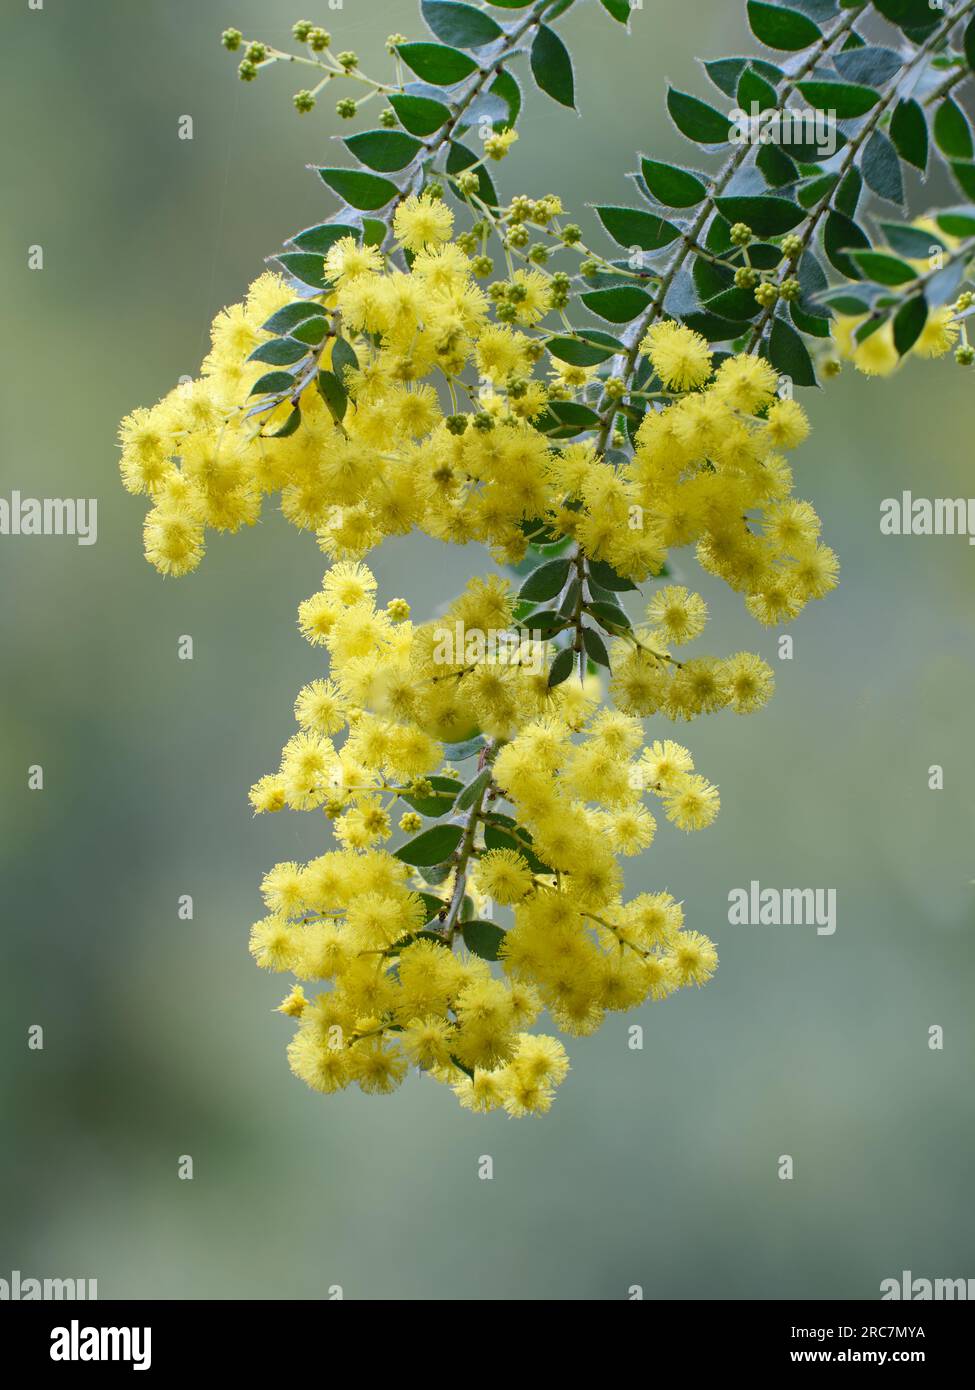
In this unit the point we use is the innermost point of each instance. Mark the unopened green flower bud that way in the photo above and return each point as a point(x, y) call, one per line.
point(589, 269)
point(483, 421)
point(792, 247)
point(481, 266)
point(746, 278)
point(302, 29)
point(572, 234)
point(247, 70)
point(965, 355)
point(231, 39)
point(393, 42)
point(256, 52)
point(347, 59)
point(346, 108)
point(518, 236)
point(388, 118)
point(615, 388)
point(538, 254)
point(304, 102)
point(319, 39)
point(741, 234)
point(468, 181)
point(456, 424)
point(434, 189)
point(767, 294)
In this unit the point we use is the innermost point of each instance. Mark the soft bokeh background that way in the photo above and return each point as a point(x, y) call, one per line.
point(656, 1167)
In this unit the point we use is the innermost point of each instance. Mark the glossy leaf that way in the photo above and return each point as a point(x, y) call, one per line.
point(766, 215)
point(437, 63)
point(952, 133)
point(696, 119)
point(419, 115)
point(367, 192)
point(788, 354)
point(846, 100)
point(483, 939)
point(777, 27)
point(552, 66)
point(460, 25)
point(617, 305)
point(318, 241)
point(545, 582)
point(909, 323)
point(631, 227)
point(305, 267)
point(432, 847)
point(909, 132)
point(671, 185)
point(882, 168)
point(385, 150)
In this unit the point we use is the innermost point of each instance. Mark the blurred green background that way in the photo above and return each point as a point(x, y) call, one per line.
point(657, 1167)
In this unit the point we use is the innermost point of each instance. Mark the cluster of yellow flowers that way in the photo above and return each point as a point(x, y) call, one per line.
point(369, 440)
point(575, 777)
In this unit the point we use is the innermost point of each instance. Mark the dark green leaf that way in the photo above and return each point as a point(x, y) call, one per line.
point(545, 582)
point(815, 325)
point(544, 621)
point(671, 185)
point(386, 150)
point(459, 158)
point(290, 425)
point(848, 194)
point(776, 167)
point(754, 93)
point(619, 9)
point(419, 115)
point(882, 168)
point(884, 269)
point(502, 832)
point(320, 240)
point(846, 100)
point(435, 63)
point(441, 800)
point(914, 243)
point(291, 315)
point(726, 72)
point(734, 303)
point(561, 668)
point(273, 384)
point(952, 133)
point(565, 419)
point(969, 44)
point(909, 323)
point(552, 66)
point(631, 227)
point(343, 359)
point(712, 326)
point(432, 847)
point(608, 614)
point(506, 87)
point(333, 393)
point(460, 752)
point(780, 28)
point(957, 221)
point(367, 192)
point(788, 354)
point(595, 646)
point(909, 132)
point(586, 351)
point(311, 332)
point(965, 176)
point(460, 25)
point(696, 119)
point(279, 352)
point(840, 234)
point(618, 305)
point(873, 66)
point(607, 578)
point(767, 215)
point(909, 14)
point(473, 790)
point(304, 267)
point(433, 905)
point(483, 939)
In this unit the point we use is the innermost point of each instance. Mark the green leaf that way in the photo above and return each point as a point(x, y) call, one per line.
point(754, 91)
point(373, 231)
point(437, 64)
point(432, 847)
point(419, 115)
point(780, 28)
point(566, 419)
point(631, 227)
point(909, 132)
point(969, 44)
point(596, 647)
point(304, 267)
point(473, 790)
point(735, 303)
point(483, 939)
point(913, 243)
point(561, 668)
point(965, 175)
point(813, 324)
point(873, 66)
point(433, 905)
point(545, 621)
point(952, 133)
point(957, 221)
point(848, 194)
point(618, 305)
point(460, 25)
point(386, 150)
point(776, 167)
point(619, 9)
point(608, 614)
point(884, 269)
point(909, 14)
point(506, 87)
point(291, 315)
point(607, 578)
point(311, 332)
point(545, 582)
point(279, 352)
point(459, 158)
point(320, 240)
point(343, 359)
point(726, 73)
point(273, 384)
point(909, 323)
point(882, 168)
point(696, 119)
point(367, 192)
point(552, 67)
point(671, 185)
point(846, 100)
point(585, 351)
point(502, 832)
point(290, 425)
point(840, 234)
point(333, 393)
point(460, 752)
point(444, 795)
point(767, 215)
point(788, 354)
